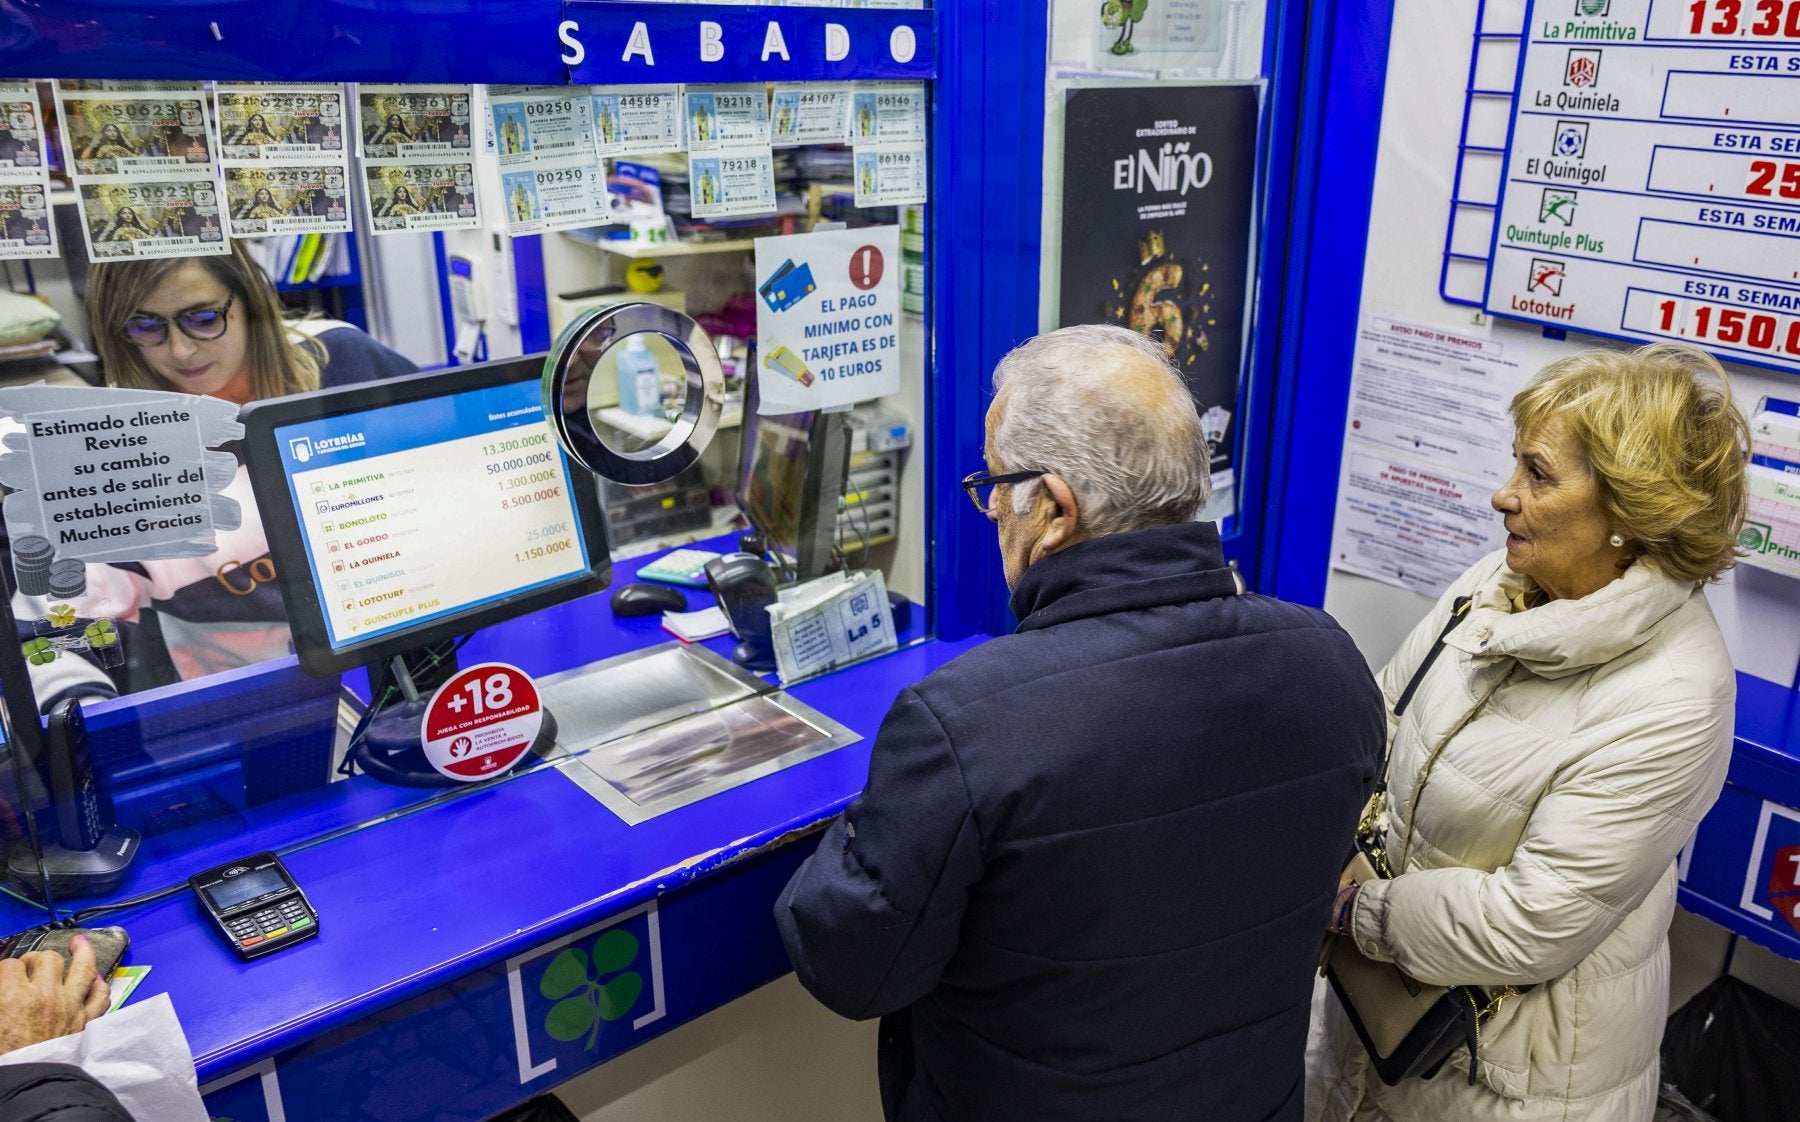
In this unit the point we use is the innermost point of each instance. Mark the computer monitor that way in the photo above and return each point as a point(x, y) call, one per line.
point(407, 511)
point(790, 478)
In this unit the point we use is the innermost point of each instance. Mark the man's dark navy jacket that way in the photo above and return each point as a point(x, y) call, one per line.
point(1095, 859)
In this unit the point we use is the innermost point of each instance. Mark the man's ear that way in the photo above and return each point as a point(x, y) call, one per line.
point(1056, 510)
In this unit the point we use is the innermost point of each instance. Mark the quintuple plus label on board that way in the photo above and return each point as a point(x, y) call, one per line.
point(1652, 183)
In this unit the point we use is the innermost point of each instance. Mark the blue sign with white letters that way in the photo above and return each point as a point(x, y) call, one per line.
point(610, 43)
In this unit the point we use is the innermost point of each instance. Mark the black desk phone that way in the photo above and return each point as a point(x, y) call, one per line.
point(257, 904)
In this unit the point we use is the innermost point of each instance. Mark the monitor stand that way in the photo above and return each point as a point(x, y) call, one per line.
point(391, 749)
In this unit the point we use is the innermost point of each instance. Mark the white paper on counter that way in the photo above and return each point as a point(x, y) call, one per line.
point(139, 1053)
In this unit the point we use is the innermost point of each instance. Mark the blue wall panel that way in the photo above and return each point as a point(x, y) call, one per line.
point(1345, 71)
point(987, 206)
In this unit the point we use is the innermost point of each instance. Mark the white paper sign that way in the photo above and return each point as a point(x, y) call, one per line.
point(118, 475)
point(826, 318)
point(1411, 525)
point(1437, 392)
point(1427, 442)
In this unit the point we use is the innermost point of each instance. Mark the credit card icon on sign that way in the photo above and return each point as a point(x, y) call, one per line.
point(790, 284)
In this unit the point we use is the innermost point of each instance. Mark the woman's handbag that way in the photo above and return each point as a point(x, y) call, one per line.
point(1408, 1028)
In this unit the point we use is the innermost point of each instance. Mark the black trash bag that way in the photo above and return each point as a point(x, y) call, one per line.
point(544, 1108)
point(1734, 1051)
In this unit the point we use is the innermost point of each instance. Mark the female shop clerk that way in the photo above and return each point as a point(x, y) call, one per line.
point(212, 325)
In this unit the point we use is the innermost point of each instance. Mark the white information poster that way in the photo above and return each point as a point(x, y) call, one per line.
point(1428, 441)
point(826, 318)
point(1652, 186)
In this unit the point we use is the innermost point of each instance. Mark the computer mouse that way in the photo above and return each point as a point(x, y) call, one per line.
point(647, 600)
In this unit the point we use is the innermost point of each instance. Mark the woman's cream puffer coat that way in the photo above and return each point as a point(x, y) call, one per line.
point(1543, 779)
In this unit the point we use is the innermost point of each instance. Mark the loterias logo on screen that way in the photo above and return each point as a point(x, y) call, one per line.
point(304, 449)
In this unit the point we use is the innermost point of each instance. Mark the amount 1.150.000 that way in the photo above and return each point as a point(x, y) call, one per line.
point(532, 553)
point(1733, 326)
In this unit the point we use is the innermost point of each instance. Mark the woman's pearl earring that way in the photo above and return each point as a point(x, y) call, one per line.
point(1616, 540)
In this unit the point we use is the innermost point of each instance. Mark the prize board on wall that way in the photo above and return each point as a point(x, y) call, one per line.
point(1652, 180)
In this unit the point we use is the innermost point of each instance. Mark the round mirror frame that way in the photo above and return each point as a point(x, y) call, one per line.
point(681, 446)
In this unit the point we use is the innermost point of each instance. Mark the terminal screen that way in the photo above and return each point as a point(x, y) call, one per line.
point(232, 892)
point(419, 510)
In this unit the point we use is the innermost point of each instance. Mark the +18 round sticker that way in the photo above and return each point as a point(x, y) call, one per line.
point(481, 722)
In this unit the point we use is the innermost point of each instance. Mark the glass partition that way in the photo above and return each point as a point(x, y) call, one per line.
point(717, 294)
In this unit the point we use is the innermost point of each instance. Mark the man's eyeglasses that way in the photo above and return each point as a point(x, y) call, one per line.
point(198, 324)
point(979, 486)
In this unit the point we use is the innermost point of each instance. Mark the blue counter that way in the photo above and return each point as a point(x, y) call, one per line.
point(478, 949)
point(1742, 870)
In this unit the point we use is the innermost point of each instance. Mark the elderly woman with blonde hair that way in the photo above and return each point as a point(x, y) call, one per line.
point(1558, 753)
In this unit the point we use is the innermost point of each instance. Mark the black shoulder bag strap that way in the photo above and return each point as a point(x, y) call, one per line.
point(1366, 829)
point(1458, 610)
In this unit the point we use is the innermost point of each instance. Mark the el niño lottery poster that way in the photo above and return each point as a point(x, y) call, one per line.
point(1159, 190)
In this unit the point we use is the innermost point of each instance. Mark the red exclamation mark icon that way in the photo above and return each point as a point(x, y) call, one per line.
point(866, 266)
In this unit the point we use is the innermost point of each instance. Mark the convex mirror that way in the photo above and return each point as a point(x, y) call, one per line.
point(634, 392)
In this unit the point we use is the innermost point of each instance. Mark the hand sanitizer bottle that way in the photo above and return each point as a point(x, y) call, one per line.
point(639, 391)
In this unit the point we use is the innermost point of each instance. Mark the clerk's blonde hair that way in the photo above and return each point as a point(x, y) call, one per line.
point(1666, 445)
point(280, 361)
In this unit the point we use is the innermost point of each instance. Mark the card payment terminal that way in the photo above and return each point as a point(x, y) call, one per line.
point(257, 904)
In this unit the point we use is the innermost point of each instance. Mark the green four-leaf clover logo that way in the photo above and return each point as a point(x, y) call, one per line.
point(589, 991)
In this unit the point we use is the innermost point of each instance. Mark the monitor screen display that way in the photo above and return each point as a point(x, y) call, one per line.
point(790, 481)
point(420, 507)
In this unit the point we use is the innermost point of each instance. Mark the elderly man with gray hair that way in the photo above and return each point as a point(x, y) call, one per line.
point(1086, 875)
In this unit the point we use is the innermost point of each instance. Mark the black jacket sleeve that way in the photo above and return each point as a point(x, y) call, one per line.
point(872, 918)
point(56, 1093)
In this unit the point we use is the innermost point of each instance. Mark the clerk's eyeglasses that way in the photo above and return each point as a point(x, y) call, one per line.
point(979, 485)
point(198, 324)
